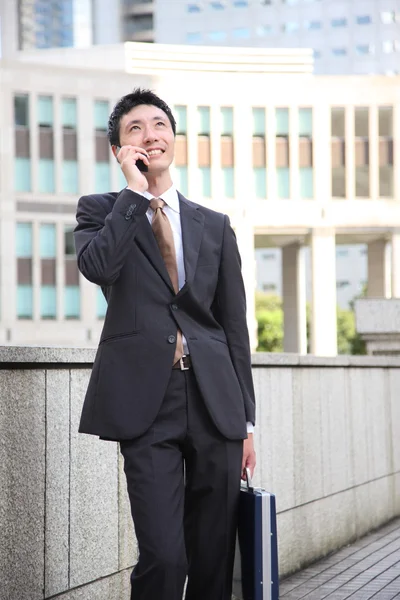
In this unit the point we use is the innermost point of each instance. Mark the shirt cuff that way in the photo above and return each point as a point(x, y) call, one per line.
point(250, 427)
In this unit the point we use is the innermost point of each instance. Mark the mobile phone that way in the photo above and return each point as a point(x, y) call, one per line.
point(142, 166)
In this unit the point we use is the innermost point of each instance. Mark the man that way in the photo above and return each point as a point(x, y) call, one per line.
point(172, 376)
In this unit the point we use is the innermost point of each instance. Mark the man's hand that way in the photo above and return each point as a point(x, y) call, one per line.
point(249, 456)
point(127, 157)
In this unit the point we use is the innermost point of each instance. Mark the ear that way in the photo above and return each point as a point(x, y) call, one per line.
point(115, 149)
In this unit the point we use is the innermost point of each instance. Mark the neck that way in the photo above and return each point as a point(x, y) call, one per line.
point(158, 184)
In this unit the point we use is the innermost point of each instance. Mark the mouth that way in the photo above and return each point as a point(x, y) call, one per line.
point(156, 152)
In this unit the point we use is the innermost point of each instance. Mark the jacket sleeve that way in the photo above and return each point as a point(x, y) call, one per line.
point(230, 312)
point(102, 240)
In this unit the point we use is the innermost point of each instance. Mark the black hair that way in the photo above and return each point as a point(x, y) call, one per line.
point(125, 105)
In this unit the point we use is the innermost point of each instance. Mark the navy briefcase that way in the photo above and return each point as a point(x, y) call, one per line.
point(255, 574)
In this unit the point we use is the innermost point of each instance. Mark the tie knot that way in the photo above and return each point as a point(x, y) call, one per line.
point(157, 203)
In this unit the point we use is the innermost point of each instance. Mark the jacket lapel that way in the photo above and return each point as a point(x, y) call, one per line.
point(192, 222)
point(147, 242)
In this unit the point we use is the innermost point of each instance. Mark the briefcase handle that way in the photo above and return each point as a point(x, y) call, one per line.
point(248, 484)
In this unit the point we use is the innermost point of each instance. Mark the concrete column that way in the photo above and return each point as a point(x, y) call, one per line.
point(396, 263)
point(322, 153)
point(378, 269)
point(245, 239)
point(294, 300)
point(271, 153)
point(323, 314)
point(350, 153)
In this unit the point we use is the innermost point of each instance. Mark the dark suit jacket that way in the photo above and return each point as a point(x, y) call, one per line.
point(117, 250)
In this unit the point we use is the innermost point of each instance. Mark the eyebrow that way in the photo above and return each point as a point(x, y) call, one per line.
point(139, 121)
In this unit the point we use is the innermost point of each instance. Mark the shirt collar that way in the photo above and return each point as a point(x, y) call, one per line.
point(170, 198)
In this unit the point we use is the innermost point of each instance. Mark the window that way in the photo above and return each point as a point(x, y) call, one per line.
point(290, 27)
point(24, 302)
point(342, 252)
point(342, 284)
point(241, 32)
point(363, 49)
point(181, 120)
point(47, 240)
point(337, 121)
point(70, 184)
point(282, 121)
point(339, 51)
point(229, 184)
point(48, 302)
point(240, 3)
point(193, 37)
point(217, 5)
point(227, 120)
point(260, 182)
point(385, 121)
point(205, 181)
point(290, 2)
point(259, 121)
point(217, 36)
point(269, 256)
point(361, 115)
point(317, 54)
point(306, 182)
point(182, 179)
point(101, 113)
point(388, 46)
point(283, 183)
point(46, 180)
point(21, 110)
point(388, 17)
point(203, 113)
point(269, 287)
point(313, 25)
point(23, 240)
point(305, 122)
point(45, 111)
point(101, 304)
point(22, 174)
point(363, 20)
point(72, 302)
point(262, 30)
point(69, 245)
point(68, 113)
point(193, 8)
point(342, 22)
point(102, 177)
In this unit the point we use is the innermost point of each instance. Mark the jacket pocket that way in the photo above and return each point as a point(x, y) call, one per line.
point(118, 336)
point(219, 340)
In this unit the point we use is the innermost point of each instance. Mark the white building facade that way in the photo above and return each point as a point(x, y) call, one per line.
point(296, 160)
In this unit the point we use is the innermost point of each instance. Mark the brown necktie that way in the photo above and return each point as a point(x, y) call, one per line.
point(165, 239)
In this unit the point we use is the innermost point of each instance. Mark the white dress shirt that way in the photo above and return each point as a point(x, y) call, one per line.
point(172, 210)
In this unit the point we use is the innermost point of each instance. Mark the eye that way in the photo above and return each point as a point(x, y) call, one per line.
point(134, 127)
point(160, 123)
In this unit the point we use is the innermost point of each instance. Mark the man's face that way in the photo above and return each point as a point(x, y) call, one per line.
point(149, 128)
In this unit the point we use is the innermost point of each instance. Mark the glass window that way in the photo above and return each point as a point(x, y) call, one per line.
point(362, 181)
point(227, 120)
point(24, 302)
point(70, 183)
point(102, 175)
point(22, 174)
point(69, 245)
point(386, 181)
point(101, 304)
point(260, 182)
point(217, 36)
point(388, 16)
point(47, 237)
point(262, 30)
point(46, 181)
point(240, 3)
point(290, 27)
point(203, 113)
point(193, 8)
point(282, 181)
point(337, 121)
point(305, 122)
point(363, 20)
point(259, 121)
point(385, 121)
point(312, 25)
point(48, 302)
point(72, 302)
point(363, 49)
point(69, 113)
point(205, 181)
point(361, 114)
point(229, 183)
point(290, 2)
point(341, 22)
point(241, 32)
point(182, 179)
point(21, 110)
point(45, 111)
point(101, 114)
point(339, 51)
point(181, 119)
point(306, 182)
point(193, 37)
point(317, 53)
point(282, 121)
point(338, 182)
point(217, 5)
point(24, 240)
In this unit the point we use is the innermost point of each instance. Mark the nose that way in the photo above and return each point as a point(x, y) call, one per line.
point(150, 135)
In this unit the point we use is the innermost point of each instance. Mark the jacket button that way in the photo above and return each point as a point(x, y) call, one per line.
point(171, 339)
point(174, 306)
point(128, 217)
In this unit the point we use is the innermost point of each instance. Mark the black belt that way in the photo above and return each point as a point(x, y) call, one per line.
point(183, 363)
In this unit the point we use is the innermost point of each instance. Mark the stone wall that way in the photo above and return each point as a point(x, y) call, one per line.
point(328, 443)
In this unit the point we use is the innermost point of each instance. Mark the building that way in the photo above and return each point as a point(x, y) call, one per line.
point(315, 168)
point(347, 36)
point(30, 24)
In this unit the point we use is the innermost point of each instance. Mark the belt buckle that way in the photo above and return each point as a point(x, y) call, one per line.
point(182, 364)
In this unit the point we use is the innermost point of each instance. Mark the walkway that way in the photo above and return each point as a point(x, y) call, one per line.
point(367, 569)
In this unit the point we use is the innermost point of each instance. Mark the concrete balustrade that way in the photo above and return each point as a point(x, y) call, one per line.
point(328, 443)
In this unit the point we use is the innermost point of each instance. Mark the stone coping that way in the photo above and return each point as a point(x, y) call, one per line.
point(85, 355)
